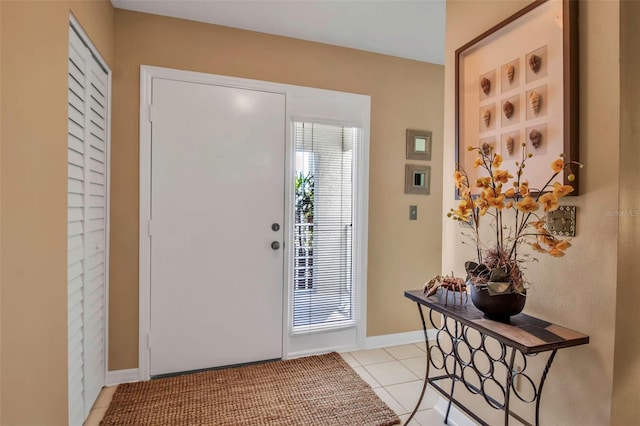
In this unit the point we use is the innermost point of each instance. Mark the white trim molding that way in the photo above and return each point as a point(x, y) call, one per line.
point(456, 417)
point(301, 102)
point(387, 340)
point(116, 377)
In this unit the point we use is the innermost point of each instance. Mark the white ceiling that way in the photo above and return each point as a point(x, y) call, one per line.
point(411, 29)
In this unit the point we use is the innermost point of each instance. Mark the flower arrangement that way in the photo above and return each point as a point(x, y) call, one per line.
point(499, 266)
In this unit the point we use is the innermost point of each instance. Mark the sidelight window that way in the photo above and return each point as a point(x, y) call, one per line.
point(323, 275)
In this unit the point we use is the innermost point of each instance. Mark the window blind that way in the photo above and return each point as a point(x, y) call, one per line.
point(324, 296)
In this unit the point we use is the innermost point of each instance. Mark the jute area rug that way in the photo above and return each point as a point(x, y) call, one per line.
point(314, 391)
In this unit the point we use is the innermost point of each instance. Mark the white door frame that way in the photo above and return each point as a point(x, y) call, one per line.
point(301, 102)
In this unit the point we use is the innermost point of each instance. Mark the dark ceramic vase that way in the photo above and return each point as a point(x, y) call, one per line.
point(499, 307)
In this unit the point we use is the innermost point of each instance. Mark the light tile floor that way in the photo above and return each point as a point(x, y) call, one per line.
point(395, 374)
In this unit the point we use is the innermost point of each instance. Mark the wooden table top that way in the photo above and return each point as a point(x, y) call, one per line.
point(526, 333)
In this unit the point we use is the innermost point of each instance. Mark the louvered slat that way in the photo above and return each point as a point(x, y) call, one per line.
point(75, 115)
point(75, 172)
point(97, 142)
point(96, 224)
point(75, 200)
point(76, 100)
point(96, 108)
point(75, 158)
point(75, 186)
point(75, 242)
point(75, 214)
point(75, 256)
point(97, 165)
point(75, 283)
point(75, 144)
point(76, 130)
point(96, 200)
point(96, 152)
point(74, 271)
point(74, 228)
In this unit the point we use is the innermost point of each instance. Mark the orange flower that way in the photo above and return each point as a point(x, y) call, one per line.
point(557, 165)
point(527, 205)
point(562, 245)
point(509, 204)
point(539, 225)
point(537, 247)
point(502, 175)
point(556, 253)
point(483, 182)
point(461, 180)
point(547, 239)
point(497, 160)
point(524, 188)
point(561, 190)
point(549, 202)
point(492, 198)
point(477, 163)
point(488, 193)
point(510, 193)
point(482, 204)
point(497, 202)
point(464, 209)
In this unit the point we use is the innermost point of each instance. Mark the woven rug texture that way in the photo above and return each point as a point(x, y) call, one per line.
point(310, 391)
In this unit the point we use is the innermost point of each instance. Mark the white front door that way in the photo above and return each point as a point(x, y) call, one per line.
point(217, 187)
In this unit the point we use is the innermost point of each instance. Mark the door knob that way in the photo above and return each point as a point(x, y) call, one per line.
point(275, 227)
point(275, 245)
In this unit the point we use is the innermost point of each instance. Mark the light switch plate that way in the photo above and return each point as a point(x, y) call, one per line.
point(413, 212)
point(562, 221)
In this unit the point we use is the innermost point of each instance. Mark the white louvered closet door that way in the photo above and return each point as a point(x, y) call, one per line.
point(87, 226)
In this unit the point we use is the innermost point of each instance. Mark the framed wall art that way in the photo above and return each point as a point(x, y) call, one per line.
point(417, 179)
point(517, 91)
point(418, 145)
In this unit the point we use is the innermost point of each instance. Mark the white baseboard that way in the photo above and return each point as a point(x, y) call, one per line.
point(116, 377)
point(374, 342)
point(386, 340)
point(321, 351)
point(456, 416)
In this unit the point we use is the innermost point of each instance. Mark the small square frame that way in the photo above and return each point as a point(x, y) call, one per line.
point(410, 172)
point(412, 154)
point(562, 221)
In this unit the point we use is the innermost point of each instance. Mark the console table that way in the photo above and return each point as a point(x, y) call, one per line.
point(481, 353)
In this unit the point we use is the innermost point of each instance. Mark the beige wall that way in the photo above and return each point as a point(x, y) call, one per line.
point(33, 196)
point(625, 409)
point(404, 94)
point(579, 290)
